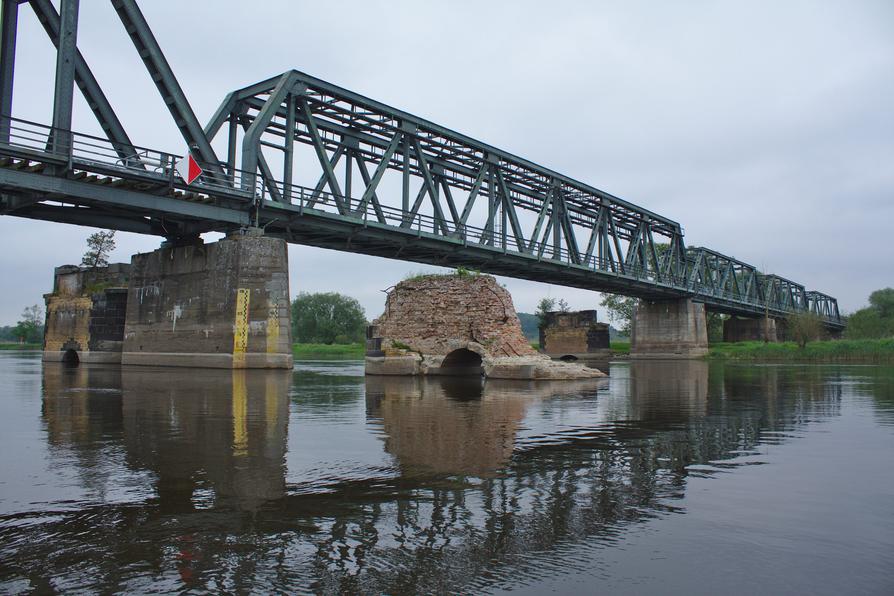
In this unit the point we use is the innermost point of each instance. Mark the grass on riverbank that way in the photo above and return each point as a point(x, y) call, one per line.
point(620, 347)
point(16, 347)
point(323, 351)
point(858, 351)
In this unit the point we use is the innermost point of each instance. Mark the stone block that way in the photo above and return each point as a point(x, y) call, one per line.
point(393, 365)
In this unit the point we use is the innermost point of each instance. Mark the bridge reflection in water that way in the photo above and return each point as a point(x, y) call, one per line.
point(490, 486)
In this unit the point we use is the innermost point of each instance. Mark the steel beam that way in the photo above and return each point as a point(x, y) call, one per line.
point(9, 15)
point(65, 70)
point(251, 150)
point(76, 191)
point(163, 76)
point(89, 86)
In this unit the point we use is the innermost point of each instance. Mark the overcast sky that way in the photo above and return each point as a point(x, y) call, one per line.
point(765, 128)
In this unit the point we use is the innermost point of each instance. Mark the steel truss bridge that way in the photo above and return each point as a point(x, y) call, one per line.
point(317, 164)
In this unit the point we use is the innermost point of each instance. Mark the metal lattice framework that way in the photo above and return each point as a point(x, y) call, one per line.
point(374, 179)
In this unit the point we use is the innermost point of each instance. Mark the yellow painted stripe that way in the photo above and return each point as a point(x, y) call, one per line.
point(240, 414)
point(240, 327)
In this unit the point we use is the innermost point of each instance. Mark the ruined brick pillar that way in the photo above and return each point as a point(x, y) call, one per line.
point(220, 305)
point(85, 314)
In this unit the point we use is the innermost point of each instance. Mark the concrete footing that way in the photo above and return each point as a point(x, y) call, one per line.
point(748, 329)
point(220, 305)
point(669, 329)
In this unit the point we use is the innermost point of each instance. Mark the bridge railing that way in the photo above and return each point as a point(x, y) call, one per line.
point(305, 198)
point(79, 151)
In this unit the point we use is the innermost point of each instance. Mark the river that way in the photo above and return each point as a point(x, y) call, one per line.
point(666, 477)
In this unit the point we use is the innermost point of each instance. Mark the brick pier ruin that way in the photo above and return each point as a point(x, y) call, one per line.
point(457, 325)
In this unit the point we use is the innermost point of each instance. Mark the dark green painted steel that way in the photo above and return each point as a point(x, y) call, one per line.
point(386, 183)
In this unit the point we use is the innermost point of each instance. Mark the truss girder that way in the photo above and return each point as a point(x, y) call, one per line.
point(454, 199)
point(449, 175)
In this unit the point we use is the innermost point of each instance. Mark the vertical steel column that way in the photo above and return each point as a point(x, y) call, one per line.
point(557, 213)
point(405, 200)
point(504, 223)
point(65, 72)
point(349, 168)
point(9, 24)
point(289, 149)
point(491, 205)
point(231, 148)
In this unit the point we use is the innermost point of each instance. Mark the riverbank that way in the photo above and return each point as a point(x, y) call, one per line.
point(19, 347)
point(324, 351)
point(851, 351)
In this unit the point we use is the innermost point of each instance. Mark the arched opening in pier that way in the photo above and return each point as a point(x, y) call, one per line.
point(70, 358)
point(568, 358)
point(462, 362)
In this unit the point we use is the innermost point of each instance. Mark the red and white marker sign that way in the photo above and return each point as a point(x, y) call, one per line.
point(188, 169)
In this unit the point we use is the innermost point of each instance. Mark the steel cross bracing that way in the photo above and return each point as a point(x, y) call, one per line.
point(320, 165)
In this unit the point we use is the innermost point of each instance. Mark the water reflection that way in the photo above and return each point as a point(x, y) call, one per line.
point(210, 437)
point(457, 426)
point(495, 485)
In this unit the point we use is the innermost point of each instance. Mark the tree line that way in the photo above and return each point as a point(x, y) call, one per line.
point(29, 329)
point(876, 320)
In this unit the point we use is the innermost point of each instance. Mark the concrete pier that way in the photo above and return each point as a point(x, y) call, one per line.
point(669, 329)
point(748, 329)
point(220, 305)
point(575, 336)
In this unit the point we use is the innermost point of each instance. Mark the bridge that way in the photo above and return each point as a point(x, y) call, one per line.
point(313, 163)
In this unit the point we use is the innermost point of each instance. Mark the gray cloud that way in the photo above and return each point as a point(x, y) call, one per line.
point(764, 128)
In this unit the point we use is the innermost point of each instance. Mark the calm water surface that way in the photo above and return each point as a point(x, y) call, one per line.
point(665, 478)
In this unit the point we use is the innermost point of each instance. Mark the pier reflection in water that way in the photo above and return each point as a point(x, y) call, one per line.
point(236, 481)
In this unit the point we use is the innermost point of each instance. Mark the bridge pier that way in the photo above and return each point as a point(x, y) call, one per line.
point(669, 329)
point(220, 305)
point(749, 329)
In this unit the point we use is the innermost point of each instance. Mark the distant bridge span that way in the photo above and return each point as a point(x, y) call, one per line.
point(320, 165)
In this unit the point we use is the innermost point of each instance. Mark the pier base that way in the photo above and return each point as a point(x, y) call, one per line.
point(220, 305)
point(669, 329)
point(747, 329)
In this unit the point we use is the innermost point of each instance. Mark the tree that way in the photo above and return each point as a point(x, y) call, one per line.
point(562, 305)
point(715, 326)
point(867, 324)
point(30, 328)
point(876, 320)
point(883, 302)
point(327, 318)
point(544, 306)
point(99, 246)
point(620, 310)
point(804, 327)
